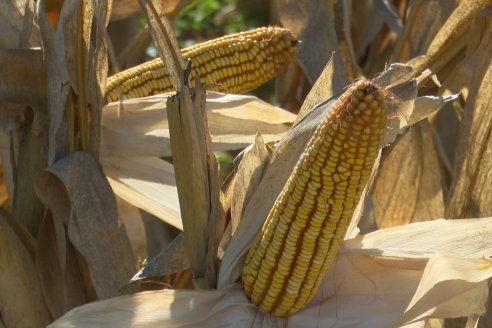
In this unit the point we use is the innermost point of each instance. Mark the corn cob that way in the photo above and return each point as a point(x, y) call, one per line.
point(305, 227)
point(235, 63)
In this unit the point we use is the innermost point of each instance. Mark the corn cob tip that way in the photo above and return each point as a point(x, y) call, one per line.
point(235, 63)
point(305, 227)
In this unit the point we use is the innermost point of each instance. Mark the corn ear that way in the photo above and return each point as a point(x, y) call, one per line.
point(235, 63)
point(305, 227)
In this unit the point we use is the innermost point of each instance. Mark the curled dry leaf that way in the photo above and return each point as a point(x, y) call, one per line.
point(147, 183)
point(248, 176)
point(140, 127)
point(77, 193)
point(369, 285)
point(448, 282)
point(330, 84)
point(423, 239)
point(170, 260)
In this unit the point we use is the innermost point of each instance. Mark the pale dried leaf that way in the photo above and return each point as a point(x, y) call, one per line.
point(471, 238)
point(248, 176)
point(170, 260)
point(77, 192)
point(314, 27)
point(168, 308)
point(330, 84)
point(359, 291)
point(21, 301)
point(450, 287)
point(471, 191)
point(134, 226)
point(147, 183)
point(393, 74)
point(140, 128)
point(408, 184)
point(425, 106)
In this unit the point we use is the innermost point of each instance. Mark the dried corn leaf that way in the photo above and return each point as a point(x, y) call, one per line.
point(59, 68)
point(248, 176)
point(147, 183)
point(424, 21)
point(140, 128)
point(96, 67)
point(389, 14)
point(342, 11)
point(31, 159)
point(311, 22)
point(366, 23)
point(198, 182)
point(451, 38)
point(77, 193)
point(471, 194)
point(360, 290)
point(449, 282)
point(467, 238)
point(170, 260)
point(58, 276)
point(134, 226)
point(408, 185)
point(21, 300)
point(330, 84)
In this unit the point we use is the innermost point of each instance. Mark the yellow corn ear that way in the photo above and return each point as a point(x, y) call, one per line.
point(235, 63)
point(309, 219)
